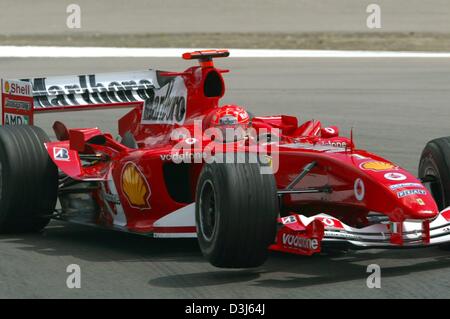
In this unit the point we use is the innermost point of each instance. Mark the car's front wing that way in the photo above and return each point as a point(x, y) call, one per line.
point(308, 235)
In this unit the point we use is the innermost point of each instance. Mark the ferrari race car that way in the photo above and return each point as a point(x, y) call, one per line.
point(184, 166)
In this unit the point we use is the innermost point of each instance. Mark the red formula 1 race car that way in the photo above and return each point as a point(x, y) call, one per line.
point(184, 166)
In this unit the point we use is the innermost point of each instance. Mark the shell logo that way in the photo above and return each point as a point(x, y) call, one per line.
point(7, 87)
point(135, 186)
point(377, 166)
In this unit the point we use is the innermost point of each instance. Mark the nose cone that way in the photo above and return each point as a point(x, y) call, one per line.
point(417, 204)
point(395, 191)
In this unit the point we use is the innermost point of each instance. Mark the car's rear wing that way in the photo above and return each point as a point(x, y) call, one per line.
point(21, 99)
point(163, 95)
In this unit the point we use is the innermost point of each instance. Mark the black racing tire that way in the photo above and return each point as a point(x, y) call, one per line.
point(434, 170)
point(236, 214)
point(28, 179)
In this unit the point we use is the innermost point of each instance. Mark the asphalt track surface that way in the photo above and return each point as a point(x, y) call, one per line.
point(180, 16)
point(394, 106)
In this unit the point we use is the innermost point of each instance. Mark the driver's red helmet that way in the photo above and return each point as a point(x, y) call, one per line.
point(228, 116)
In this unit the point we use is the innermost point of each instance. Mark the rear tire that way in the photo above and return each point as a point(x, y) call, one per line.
point(28, 179)
point(236, 214)
point(434, 170)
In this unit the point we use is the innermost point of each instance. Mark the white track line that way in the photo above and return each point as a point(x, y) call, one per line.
point(102, 52)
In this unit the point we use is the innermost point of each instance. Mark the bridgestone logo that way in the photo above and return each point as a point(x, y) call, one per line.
point(300, 242)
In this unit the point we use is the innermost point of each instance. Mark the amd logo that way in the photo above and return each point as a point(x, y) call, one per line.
point(14, 119)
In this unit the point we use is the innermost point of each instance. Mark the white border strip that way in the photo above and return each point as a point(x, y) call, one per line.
point(106, 52)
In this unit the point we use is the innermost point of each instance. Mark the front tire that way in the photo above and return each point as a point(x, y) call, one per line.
point(28, 179)
point(434, 171)
point(236, 214)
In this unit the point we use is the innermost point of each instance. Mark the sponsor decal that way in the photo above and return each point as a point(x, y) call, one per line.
point(228, 120)
point(185, 157)
point(335, 144)
point(94, 88)
point(20, 88)
point(135, 186)
point(288, 220)
point(410, 192)
point(376, 166)
point(15, 119)
point(359, 189)
point(15, 104)
point(420, 201)
point(168, 105)
point(342, 235)
point(316, 147)
point(330, 130)
point(61, 154)
point(394, 176)
point(297, 241)
point(330, 222)
point(404, 185)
